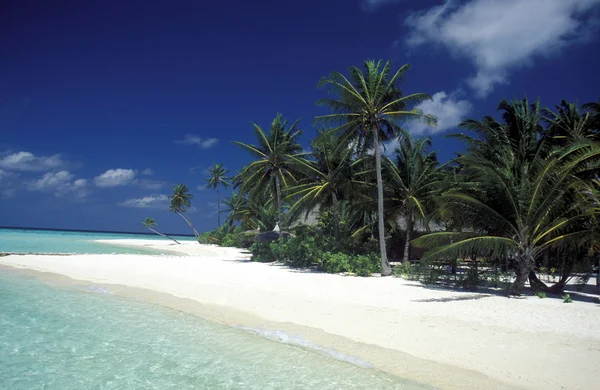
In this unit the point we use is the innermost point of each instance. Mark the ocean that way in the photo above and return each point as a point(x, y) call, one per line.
point(61, 241)
point(83, 337)
point(58, 336)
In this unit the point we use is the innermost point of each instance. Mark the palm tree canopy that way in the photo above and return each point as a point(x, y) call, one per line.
point(414, 180)
point(217, 177)
point(180, 199)
point(276, 154)
point(371, 99)
point(148, 223)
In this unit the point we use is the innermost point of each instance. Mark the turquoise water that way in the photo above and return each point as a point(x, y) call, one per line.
point(56, 241)
point(86, 338)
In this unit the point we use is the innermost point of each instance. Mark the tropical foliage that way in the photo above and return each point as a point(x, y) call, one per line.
point(520, 204)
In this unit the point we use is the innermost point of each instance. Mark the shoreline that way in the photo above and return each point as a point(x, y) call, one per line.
point(472, 341)
point(425, 372)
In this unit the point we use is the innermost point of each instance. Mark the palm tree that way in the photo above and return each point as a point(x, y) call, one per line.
point(370, 108)
point(239, 210)
point(517, 196)
point(330, 177)
point(150, 224)
point(569, 124)
point(217, 179)
point(277, 155)
point(181, 202)
point(415, 181)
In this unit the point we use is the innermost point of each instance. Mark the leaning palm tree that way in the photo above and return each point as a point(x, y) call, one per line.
point(216, 180)
point(181, 202)
point(370, 108)
point(150, 224)
point(415, 180)
point(275, 165)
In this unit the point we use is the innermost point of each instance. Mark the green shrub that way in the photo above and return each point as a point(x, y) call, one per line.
point(334, 263)
point(567, 298)
point(540, 294)
point(299, 251)
point(364, 265)
point(361, 265)
point(262, 252)
point(404, 270)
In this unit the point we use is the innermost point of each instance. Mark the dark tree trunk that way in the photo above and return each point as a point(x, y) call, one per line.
point(386, 270)
point(218, 208)
point(336, 216)
point(409, 228)
point(538, 285)
point(524, 263)
point(278, 196)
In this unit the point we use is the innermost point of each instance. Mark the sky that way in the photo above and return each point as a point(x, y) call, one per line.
point(104, 106)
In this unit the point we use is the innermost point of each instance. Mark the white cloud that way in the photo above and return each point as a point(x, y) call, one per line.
point(500, 35)
point(448, 110)
point(147, 202)
point(60, 183)
point(147, 172)
point(26, 161)
point(203, 143)
point(115, 177)
point(201, 187)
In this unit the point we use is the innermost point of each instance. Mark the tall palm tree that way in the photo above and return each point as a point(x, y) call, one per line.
point(216, 180)
point(181, 202)
point(150, 224)
point(370, 107)
point(415, 181)
point(330, 177)
point(517, 199)
point(569, 124)
point(276, 162)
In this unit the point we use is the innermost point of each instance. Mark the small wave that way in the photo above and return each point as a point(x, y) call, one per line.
point(95, 289)
point(286, 338)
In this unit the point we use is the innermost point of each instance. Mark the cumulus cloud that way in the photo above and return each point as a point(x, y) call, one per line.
point(448, 110)
point(115, 177)
point(60, 183)
point(147, 172)
point(500, 35)
point(26, 161)
point(147, 202)
point(203, 143)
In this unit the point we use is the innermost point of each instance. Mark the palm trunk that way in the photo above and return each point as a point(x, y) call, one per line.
point(164, 235)
point(524, 264)
point(278, 196)
point(385, 266)
point(409, 227)
point(336, 216)
point(189, 223)
point(218, 208)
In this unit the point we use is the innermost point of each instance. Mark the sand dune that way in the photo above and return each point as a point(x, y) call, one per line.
point(454, 340)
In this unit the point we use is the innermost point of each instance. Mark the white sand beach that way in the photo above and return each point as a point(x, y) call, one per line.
point(449, 339)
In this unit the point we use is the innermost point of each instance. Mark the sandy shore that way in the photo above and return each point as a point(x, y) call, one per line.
point(451, 340)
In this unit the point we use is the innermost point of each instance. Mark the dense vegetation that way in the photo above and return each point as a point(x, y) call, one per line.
point(521, 203)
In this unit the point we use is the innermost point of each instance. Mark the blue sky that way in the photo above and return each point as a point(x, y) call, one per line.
point(105, 105)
